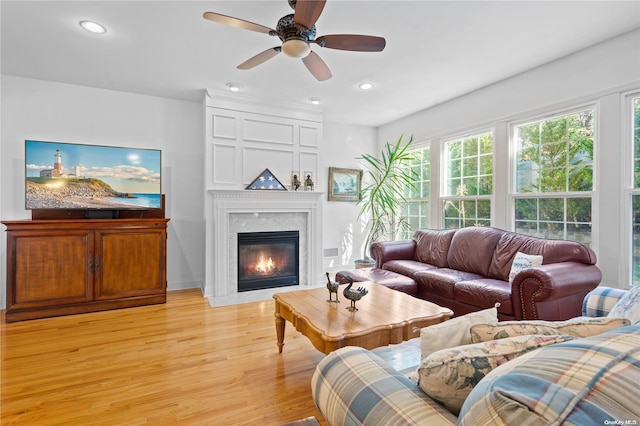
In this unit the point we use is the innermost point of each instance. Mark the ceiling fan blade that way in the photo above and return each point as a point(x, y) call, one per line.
point(259, 58)
point(308, 12)
point(236, 22)
point(316, 66)
point(353, 42)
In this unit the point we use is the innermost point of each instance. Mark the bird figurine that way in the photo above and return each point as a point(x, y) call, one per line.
point(333, 287)
point(353, 295)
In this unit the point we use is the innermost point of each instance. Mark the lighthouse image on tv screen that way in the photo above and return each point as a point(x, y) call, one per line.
point(76, 176)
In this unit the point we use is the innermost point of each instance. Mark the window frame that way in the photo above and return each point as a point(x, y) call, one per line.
point(513, 166)
point(421, 147)
point(442, 197)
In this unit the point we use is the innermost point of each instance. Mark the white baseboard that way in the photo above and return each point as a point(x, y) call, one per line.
point(184, 285)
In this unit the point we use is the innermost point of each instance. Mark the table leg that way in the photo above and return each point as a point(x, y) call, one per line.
point(280, 324)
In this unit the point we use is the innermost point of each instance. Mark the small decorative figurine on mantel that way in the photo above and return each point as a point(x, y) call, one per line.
point(353, 295)
point(295, 181)
point(333, 287)
point(308, 182)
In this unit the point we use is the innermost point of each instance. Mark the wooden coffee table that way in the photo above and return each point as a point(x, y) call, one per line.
point(384, 317)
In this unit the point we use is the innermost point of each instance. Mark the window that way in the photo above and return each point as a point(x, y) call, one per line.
point(468, 182)
point(553, 179)
point(416, 207)
point(635, 193)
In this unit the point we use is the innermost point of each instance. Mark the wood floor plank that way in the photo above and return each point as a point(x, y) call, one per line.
point(179, 363)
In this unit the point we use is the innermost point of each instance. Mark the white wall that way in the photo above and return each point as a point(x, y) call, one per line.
point(599, 75)
point(40, 110)
point(342, 145)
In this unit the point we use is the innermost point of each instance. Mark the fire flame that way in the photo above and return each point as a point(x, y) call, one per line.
point(265, 267)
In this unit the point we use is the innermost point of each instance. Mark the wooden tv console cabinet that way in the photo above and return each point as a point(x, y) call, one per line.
point(62, 267)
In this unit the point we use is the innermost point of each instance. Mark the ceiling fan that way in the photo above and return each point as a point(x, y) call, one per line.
point(297, 31)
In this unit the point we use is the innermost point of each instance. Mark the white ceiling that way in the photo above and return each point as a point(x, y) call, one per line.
point(436, 50)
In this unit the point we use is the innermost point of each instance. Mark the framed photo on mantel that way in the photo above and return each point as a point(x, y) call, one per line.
point(344, 184)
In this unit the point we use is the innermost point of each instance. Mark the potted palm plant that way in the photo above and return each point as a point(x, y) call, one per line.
point(385, 183)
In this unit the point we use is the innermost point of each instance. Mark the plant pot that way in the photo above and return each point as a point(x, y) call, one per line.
point(365, 263)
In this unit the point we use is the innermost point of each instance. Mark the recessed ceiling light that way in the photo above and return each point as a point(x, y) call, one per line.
point(234, 87)
point(315, 101)
point(93, 27)
point(365, 86)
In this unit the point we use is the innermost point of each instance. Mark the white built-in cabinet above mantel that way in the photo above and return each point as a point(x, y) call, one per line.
point(245, 136)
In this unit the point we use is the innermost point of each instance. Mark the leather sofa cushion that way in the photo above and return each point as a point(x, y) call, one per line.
point(383, 277)
point(432, 246)
point(552, 251)
point(484, 293)
point(442, 280)
point(472, 249)
point(406, 267)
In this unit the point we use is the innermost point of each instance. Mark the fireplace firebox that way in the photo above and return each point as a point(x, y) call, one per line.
point(268, 259)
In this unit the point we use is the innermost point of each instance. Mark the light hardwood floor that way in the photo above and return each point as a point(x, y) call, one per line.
point(179, 363)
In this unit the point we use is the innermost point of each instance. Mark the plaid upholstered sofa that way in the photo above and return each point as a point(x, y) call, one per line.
point(582, 381)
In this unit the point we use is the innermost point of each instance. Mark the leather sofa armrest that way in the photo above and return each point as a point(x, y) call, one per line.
point(355, 386)
point(554, 292)
point(385, 251)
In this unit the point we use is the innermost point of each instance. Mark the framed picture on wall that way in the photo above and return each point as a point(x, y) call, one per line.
point(344, 184)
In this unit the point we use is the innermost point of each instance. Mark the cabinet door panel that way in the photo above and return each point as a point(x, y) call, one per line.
point(52, 270)
point(130, 263)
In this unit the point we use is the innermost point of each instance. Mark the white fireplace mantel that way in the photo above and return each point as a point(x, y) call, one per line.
point(222, 204)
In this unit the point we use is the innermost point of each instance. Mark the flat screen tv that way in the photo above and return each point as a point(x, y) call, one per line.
point(61, 175)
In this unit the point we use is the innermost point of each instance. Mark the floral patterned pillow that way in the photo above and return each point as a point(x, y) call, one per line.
point(454, 332)
point(579, 327)
point(449, 375)
point(628, 307)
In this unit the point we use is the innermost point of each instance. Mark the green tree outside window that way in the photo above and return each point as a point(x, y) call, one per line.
point(554, 168)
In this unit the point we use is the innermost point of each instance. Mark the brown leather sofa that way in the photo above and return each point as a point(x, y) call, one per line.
point(468, 269)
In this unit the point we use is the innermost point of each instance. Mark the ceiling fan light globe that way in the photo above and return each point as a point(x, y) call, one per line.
point(296, 48)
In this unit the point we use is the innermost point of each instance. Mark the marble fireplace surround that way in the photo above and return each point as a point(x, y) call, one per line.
point(231, 211)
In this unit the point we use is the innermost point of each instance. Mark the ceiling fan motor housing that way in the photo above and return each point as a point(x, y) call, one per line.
point(288, 28)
